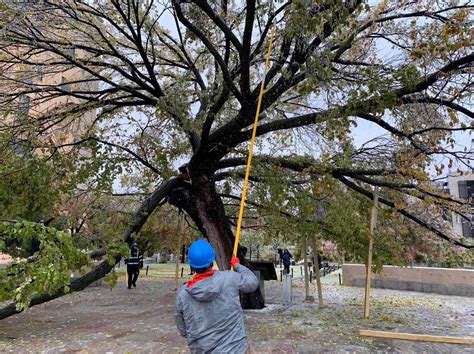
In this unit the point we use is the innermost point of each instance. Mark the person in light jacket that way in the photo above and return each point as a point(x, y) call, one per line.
point(208, 311)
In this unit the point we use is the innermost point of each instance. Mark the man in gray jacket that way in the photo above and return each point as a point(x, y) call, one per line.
point(208, 311)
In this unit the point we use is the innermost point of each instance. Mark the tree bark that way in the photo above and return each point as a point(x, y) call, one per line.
point(76, 285)
point(211, 212)
point(305, 264)
point(203, 204)
point(178, 249)
point(317, 274)
point(368, 266)
point(214, 221)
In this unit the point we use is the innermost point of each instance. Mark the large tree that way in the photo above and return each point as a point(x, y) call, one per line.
point(178, 81)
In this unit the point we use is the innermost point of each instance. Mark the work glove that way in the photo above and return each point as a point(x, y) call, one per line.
point(234, 261)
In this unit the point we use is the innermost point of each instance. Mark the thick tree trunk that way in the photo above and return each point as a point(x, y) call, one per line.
point(317, 273)
point(202, 203)
point(211, 212)
point(214, 220)
point(178, 249)
point(305, 264)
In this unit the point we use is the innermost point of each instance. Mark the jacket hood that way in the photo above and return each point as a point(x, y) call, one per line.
point(205, 290)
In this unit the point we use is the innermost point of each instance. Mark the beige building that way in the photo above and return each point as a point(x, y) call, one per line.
point(30, 96)
point(34, 92)
point(40, 107)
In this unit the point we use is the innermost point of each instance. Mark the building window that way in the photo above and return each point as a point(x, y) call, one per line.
point(71, 51)
point(21, 147)
point(24, 106)
point(470, 189)
point(446, 215)
point(29, 80)
point(64, 86)
point(39, 73)
point(462, 185)
point(466, 229)
point(26, 2)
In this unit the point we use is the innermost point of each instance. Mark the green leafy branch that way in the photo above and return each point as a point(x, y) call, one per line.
point(45, 271)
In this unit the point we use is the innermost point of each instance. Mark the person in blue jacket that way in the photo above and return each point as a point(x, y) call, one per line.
point(208, 311)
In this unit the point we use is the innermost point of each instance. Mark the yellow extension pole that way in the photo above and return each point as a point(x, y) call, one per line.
point(252, 141)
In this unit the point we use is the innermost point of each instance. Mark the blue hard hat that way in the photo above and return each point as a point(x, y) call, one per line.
point(134, 244)
point(201, 254)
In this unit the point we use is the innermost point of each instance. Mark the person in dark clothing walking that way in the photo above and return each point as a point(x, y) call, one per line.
point(286, 258)
point(134, 262)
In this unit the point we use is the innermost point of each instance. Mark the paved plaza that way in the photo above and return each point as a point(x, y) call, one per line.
point(100, 320)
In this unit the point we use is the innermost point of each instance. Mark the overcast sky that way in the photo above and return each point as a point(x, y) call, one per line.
point(365, 130)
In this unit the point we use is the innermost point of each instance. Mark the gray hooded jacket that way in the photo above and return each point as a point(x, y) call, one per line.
point(209, 314)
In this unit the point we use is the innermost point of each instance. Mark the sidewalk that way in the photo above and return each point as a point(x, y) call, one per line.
point(100, 320)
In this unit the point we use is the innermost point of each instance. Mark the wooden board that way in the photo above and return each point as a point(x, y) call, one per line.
point(417, 337)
